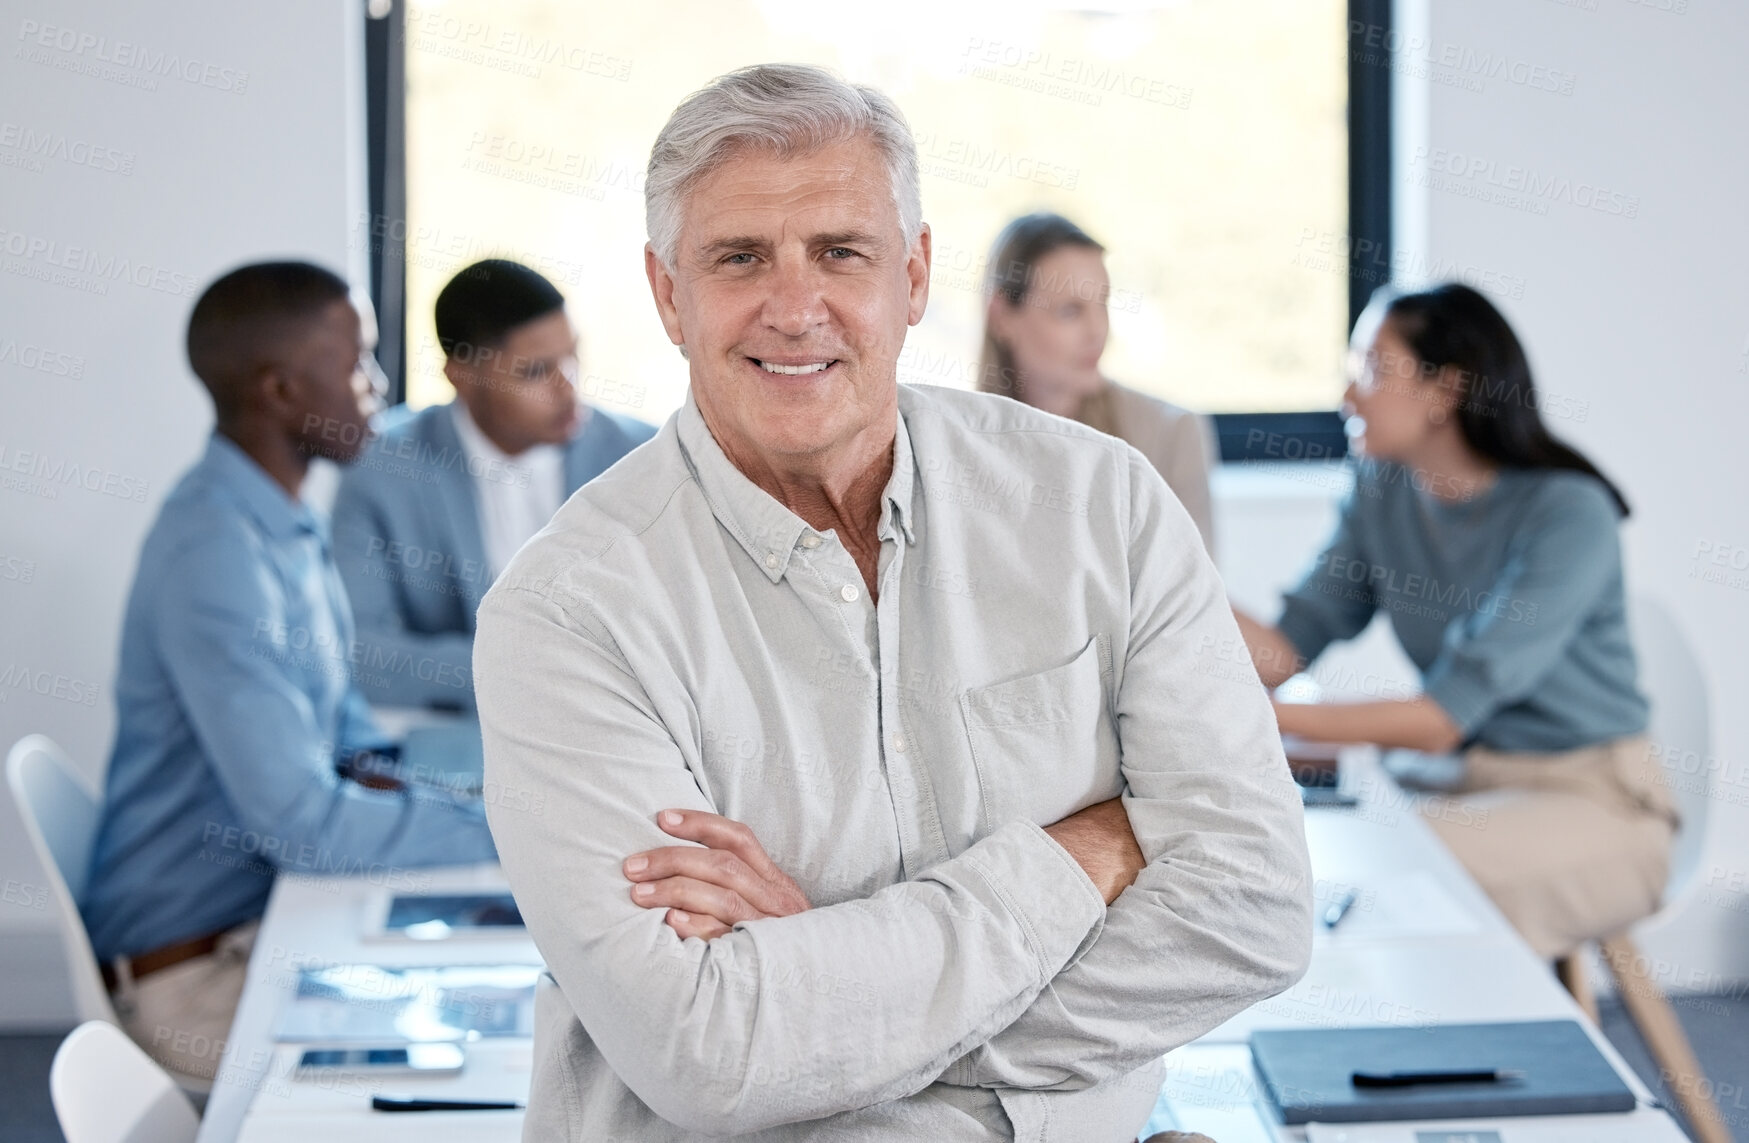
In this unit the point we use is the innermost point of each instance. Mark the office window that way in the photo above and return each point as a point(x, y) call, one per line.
point(1205, 144)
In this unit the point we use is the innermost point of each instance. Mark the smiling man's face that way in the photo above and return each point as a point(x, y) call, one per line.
point(791, 292)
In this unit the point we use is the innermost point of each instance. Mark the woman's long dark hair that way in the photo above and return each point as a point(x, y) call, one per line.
point(1020, 247)
point(1453, 326)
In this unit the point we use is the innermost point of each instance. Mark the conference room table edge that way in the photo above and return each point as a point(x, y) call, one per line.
point(276, 956)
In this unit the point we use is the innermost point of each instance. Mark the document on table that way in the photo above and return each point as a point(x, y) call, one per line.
point(367, 1003)
point(1643, 1125)
point(1212, 1089)
point(441, 916)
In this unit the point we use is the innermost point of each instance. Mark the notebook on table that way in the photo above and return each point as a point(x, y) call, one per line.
point(1554, 1069)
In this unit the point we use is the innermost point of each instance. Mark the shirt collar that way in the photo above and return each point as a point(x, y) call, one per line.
point(896, 503)
point(767, 530)
point(475, 441)
point(280, 516)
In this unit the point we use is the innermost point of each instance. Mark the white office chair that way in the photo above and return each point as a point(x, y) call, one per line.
point(1681, 730)
point(59, 808)
point(1672, 679)
point(106, 1090)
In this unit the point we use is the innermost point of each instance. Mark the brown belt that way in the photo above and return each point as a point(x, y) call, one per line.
point(146, 964)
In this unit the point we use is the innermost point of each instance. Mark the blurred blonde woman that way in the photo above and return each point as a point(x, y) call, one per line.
point(1044, 333)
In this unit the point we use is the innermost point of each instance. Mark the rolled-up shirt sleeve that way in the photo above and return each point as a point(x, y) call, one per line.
point(919, 972)
point(1566, 555)
point(1221, 916)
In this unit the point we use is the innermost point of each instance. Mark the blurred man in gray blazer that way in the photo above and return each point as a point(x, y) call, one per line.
point(440, 501)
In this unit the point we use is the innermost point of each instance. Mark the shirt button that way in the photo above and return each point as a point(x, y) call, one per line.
point(849, 593)
point(771, 561)
point(810, 541)
point(899, 743)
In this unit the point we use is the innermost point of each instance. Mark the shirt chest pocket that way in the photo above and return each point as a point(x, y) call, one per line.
point(1044, 744)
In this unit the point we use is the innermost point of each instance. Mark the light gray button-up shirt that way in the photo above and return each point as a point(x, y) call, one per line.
point(1044, 638)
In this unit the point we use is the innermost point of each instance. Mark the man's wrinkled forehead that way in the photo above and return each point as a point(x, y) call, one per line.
point(757, 193)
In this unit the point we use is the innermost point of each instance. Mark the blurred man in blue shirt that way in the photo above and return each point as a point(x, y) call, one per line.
point(434, 509)
point(237, 717)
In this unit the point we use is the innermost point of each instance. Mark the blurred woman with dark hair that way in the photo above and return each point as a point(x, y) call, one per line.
point(1493, 548)
point(1044, 334)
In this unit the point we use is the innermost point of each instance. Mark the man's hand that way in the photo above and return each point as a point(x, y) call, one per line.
point(707, 891)
point(1100, 840)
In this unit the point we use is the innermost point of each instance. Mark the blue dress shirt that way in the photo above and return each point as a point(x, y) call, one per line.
point(235, 704)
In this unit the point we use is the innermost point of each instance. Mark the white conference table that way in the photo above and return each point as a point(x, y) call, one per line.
point(322, 920)
point(1421, 945)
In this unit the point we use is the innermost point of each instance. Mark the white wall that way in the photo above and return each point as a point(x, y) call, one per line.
point(1637, 326)
point(147, 194)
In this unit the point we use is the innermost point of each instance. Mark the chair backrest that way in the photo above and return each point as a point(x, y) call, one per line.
point(60, 808)
point(106, 1090)
point(1680, 729)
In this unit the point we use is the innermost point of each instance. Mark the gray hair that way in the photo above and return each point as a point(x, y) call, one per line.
point(790, 109)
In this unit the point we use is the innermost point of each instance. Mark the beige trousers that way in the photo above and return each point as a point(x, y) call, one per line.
point(1572, 847)
point(181, 1015)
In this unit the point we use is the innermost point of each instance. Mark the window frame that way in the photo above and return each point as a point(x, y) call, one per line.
point(1316, 434)
point(385, 90)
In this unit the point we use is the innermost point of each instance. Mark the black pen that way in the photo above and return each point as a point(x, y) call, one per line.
point(1411, 1079)
point(1338, 909)
point(412, 1103)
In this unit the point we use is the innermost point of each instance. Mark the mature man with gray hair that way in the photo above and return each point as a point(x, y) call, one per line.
point(886, 789)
